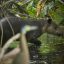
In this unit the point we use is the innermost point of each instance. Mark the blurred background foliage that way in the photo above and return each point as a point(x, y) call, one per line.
point(29, 9)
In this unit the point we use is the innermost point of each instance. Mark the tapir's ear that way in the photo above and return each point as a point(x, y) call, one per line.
point(49, 21)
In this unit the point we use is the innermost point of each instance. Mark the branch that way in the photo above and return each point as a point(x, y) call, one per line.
point(11, 54)
point(8, 44)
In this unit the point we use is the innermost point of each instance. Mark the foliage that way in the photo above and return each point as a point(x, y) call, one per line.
point(54, 8)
